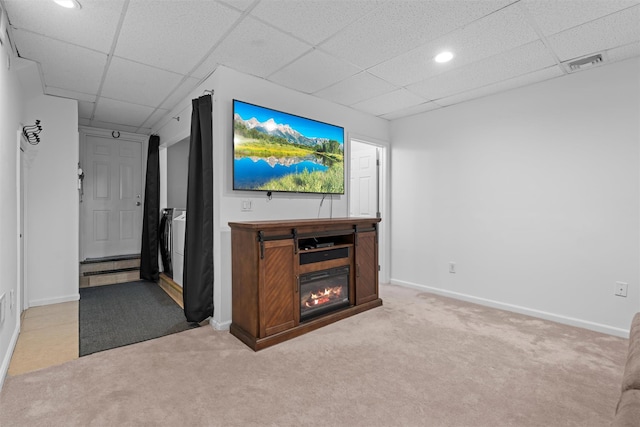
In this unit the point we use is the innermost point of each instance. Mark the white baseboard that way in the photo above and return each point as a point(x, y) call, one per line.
point(6, 360)
point(57, 300)
point(220, 326)
point(566, 320)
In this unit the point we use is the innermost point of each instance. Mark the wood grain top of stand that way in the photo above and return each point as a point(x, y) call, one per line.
point(300, 223)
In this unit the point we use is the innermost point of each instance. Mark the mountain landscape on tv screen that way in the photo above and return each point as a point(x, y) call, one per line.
point(272, 156)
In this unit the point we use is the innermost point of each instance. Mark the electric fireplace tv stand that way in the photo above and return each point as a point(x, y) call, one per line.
point(294, 276)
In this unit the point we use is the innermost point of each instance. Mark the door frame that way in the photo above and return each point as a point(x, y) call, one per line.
point(384, 253)
point(85, 132)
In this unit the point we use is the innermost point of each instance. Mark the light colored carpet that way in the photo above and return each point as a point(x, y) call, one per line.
point(419, 360)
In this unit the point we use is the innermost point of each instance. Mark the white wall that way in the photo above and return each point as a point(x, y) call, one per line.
point(229, 84)
point(11, 108)
point(52, 216)
point(533, 193)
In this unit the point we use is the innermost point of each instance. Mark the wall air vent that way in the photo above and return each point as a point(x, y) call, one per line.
point(584, 63)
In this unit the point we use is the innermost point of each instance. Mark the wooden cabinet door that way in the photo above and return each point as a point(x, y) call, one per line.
point(277, 287)
point(366, 260)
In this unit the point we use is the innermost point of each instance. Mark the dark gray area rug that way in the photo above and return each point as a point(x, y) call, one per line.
point(126, 313)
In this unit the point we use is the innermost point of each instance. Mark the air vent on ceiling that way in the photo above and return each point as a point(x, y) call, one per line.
point(583, 63)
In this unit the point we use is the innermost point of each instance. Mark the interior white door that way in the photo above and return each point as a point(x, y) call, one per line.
point(111, 204)
point(363, 200)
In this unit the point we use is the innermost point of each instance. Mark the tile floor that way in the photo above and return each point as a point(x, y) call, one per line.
point(48, 336)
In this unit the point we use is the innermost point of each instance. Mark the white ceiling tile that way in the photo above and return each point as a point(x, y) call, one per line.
point(138, 83)
point(65, 93)
point(65, 66)
point(488, 36)
point(206, 68)
point(421, 108)
point(522, 60)
point(93, 26)
point(257, 49)
point(112, 111)
point(389, 102)
point(241, 5)
point(85, 109)
point(556, 16)
point(624, 52)
point(523, 80)
point(614, 30)
point(173, 35)
point(355, 89)
point(155, 118)
point(115, 126)
point(180, 93)
point(400, 26)
point(312, 20)
point(313, 71)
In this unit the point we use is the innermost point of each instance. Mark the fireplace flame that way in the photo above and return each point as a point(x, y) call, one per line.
point(322, 297)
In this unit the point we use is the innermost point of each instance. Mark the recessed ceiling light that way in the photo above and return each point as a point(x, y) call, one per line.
point(69, 4)
point(444, 57)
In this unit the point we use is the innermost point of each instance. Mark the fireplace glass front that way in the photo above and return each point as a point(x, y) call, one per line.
point(323, 291)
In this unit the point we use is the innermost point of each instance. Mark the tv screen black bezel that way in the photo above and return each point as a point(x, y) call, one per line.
point(233, 171)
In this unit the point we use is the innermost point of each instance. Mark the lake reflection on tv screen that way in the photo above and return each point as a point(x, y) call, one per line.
point(250, 174)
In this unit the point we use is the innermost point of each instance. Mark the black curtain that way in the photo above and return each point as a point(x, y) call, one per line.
point(197, 286)
point(149, 253)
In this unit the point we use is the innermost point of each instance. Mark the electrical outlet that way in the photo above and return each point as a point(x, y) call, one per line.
point(621, 289)
point(452, 267)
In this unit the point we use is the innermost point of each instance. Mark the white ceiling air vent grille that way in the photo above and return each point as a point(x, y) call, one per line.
point(584, 63)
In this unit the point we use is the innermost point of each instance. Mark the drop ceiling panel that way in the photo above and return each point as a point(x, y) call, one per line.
point(117, 126)
point(180, 93)
point(523, 80)
point(65, 66)
point(174, 36)
point(85, 109)
point(93, 26)
point(205, 68)
point(355, 89)
point(522, 60)
point(555, 16)
point(138, 83)
point(400, 26)
point(313, 71)
point(112, 111)
point(257, 49)
point(624, 52)
point(393, 101)
point(241, 5)
point(65, 93)
point(617, 29)
point(417, 109)
point(488, 36)
point(312, 20)
point(155, 117)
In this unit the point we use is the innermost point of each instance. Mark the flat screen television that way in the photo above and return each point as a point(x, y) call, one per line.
point(281, 152)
